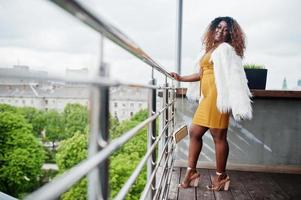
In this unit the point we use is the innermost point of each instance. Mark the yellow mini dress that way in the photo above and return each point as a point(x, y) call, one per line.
point(207, 114)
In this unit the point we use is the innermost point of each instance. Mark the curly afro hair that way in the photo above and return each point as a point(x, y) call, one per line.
point(235, 37)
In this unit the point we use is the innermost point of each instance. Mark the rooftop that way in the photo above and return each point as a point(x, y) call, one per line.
point(244, 185)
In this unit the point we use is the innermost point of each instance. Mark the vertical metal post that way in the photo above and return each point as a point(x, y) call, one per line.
point(166, 116)
point(164, 123)
point(173, 108)
point(179, 37)
point(104, 132)
point(152, 104)
point(168, 169)
point(99, 118)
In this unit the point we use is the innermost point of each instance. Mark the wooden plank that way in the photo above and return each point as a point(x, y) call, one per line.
point(173, 188)
point(221, 194)
point(238, 190)
point(187, 193)
point(244, 186)
point(202, 192)
point(289, 183)
point(261, 186)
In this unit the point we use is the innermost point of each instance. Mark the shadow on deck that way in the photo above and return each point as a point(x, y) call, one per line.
point(244, 185)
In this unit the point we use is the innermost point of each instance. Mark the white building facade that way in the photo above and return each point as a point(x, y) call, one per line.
point(45, 95)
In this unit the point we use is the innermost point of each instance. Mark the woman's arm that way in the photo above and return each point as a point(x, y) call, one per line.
point(188, 78)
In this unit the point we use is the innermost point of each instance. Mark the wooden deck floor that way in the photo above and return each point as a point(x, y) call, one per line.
point(244, 185)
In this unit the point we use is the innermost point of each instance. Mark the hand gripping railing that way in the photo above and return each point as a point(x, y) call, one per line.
point(100, 148)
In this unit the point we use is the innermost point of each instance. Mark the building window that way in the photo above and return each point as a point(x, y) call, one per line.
point(131, 113)
point(132, 105)
point(123, 105)
point(16, 101)
point(115, 104)
point(46, 101)
point(23, 101)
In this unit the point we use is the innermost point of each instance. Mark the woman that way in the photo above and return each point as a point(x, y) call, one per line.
point(224, 90)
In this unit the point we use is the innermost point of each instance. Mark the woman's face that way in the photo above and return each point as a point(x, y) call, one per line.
point(221, 32)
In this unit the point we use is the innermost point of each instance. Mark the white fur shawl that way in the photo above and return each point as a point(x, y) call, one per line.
point(233, 93)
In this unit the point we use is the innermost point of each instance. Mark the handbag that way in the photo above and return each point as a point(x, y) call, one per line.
point(182, 131)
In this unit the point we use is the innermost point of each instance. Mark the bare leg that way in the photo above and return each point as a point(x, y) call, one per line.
point(221, 148)
point(221, 180)
point(195, 145)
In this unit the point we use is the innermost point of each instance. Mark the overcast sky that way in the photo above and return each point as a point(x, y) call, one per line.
point(39, 34)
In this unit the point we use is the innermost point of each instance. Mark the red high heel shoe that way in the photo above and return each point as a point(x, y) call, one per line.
point(191, 179)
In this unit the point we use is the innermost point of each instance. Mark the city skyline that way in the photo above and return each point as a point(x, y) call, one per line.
point(50, 39)
point(46, 94)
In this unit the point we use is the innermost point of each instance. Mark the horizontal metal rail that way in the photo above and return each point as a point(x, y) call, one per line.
point(164, 166)
point(62, 183)
point(164, 128)
point(96, 80)
point(169, 179)
point(122, 193)
point(148, 185)
point(169, 172)
point(4, 196)
point(100, 25)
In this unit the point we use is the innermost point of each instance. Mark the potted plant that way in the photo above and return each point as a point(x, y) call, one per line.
point(256, 75)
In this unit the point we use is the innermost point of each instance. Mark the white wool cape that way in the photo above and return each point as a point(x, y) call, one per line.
point(233, 94)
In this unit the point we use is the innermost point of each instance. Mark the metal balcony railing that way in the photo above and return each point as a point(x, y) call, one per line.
point(100, 148)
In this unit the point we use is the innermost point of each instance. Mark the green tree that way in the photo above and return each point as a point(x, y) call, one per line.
point(113, 124)
point(5, 107)
point(75, 119)
point(54, 126)
point(124, 161)
point(35, 117)
point(70, 153)
point(21, 156)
